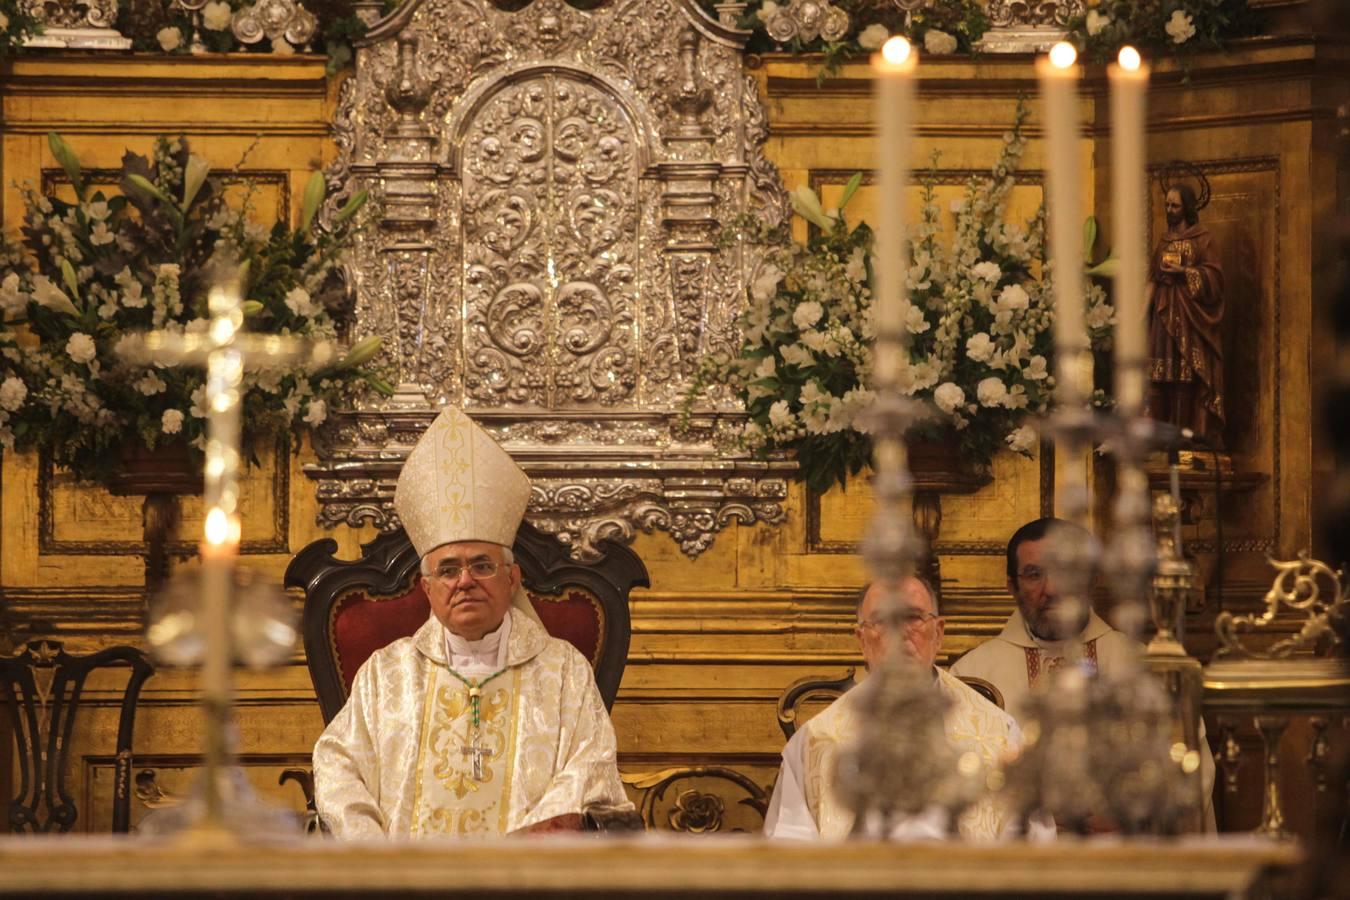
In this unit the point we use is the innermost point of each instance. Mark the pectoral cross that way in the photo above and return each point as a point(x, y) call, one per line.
point(224, 352)
point(477, 751)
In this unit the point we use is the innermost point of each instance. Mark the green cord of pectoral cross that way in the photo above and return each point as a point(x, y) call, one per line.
point(475, 692)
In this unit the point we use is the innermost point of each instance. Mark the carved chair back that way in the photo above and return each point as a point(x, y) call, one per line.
point(353, 608)
point(41, 689)
point(811, 694)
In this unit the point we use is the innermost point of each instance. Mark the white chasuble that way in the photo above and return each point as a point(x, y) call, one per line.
point(804, 802)
point(398, 759)
point(1015, 662)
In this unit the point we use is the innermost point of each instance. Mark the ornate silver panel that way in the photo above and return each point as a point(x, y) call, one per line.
point(550, 185)
point(75, 24)
point(1027, 26)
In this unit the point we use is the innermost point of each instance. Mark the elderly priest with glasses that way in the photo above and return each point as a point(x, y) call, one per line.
point(805, 804)
point(480, 723)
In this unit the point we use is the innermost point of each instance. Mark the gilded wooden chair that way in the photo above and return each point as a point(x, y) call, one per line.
point(41, 689)
point(799, 698)
point(353, 608)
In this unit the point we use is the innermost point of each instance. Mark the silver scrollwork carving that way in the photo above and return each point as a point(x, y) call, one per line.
point(1027, 26)
point(75, 24)
point(550, 184)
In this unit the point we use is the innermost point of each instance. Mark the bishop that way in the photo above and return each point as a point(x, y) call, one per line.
point(481, 723)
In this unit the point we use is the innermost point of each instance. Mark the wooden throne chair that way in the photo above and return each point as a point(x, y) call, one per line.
point(353, 608)
point(40, 690)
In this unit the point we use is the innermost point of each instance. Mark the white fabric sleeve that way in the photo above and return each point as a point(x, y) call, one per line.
point(346, 767)
point(789, 817)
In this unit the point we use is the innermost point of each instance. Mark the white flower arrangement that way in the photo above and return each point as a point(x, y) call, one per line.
point(941, 26)
point(89, 273)
point(1180, 27)
point(1159, 28)
point(979, 323)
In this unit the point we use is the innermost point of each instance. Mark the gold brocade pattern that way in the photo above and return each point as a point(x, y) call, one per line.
point(973, 723)
point(390, 763)
point(1193, 282)
point(459, 485)
point(449, 799)
point(1035, 666)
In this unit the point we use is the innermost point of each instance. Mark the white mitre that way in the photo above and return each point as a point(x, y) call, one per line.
point(459, 485)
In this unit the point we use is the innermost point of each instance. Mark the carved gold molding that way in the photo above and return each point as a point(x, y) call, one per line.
point(276, 542)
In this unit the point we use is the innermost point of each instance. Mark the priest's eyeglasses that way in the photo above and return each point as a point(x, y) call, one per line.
point(1032, 575)
point(910, 621)
point(479, 570)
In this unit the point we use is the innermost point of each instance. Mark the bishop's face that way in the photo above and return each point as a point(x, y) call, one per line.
point(1037, 596)
point(922, 627)
point(470, 586)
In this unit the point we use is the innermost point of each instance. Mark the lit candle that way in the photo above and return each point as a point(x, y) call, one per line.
point(1129, 91)
point(1058, 76)
point(893, 70)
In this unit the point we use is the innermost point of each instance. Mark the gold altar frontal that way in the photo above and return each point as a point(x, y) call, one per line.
point(641, 867)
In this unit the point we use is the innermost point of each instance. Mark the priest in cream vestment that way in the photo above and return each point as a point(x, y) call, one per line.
point(1031, 644)
point(481, 723)
point(804, 804)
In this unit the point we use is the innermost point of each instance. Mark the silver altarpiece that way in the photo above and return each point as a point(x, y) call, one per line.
point(550, 189)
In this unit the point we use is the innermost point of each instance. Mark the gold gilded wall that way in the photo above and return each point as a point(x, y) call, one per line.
point(715, 640)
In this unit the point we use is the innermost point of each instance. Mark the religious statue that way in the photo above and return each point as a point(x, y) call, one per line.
point(1185, 303)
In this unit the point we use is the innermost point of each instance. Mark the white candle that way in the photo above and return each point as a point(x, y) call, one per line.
point(1129, 93)
point(1058, 75)
point(893, 72)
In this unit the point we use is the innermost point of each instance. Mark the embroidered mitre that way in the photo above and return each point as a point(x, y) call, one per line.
point(459, 485)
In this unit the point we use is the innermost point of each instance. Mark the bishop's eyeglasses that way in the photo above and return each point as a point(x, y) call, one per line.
point(479, 570)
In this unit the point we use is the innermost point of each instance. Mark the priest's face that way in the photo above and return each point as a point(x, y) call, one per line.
point(469, 585)
point(1037, 597)
point(923, 628)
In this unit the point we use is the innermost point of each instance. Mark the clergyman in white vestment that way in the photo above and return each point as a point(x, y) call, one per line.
point(481, 723)
point(804, 804)
point(1032, 642)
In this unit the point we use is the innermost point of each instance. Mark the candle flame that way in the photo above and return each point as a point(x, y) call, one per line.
point(217, 526)
point(1063, 55)
point(1129, 59)
point(896, 50)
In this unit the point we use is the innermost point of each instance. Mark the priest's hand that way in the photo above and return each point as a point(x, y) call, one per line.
point(565, 822)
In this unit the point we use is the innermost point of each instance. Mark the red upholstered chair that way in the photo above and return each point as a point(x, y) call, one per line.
point(353, 608)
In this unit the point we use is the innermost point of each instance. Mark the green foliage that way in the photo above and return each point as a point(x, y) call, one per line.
point(16, 24)
point(1160, 28)
point(940, 27)
point(88, 274)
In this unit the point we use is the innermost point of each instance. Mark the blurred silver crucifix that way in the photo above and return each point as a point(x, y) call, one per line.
point(225, 351)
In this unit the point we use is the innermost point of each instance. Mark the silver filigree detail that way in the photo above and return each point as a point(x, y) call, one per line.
point(1015, 13)
point(276, 20)
point(1027, 26)
point(75, 24)
point(806, 20)
point(549, 185)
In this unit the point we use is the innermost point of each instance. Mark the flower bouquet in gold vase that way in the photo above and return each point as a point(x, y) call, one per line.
point(979, 323)
point(92, 268)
